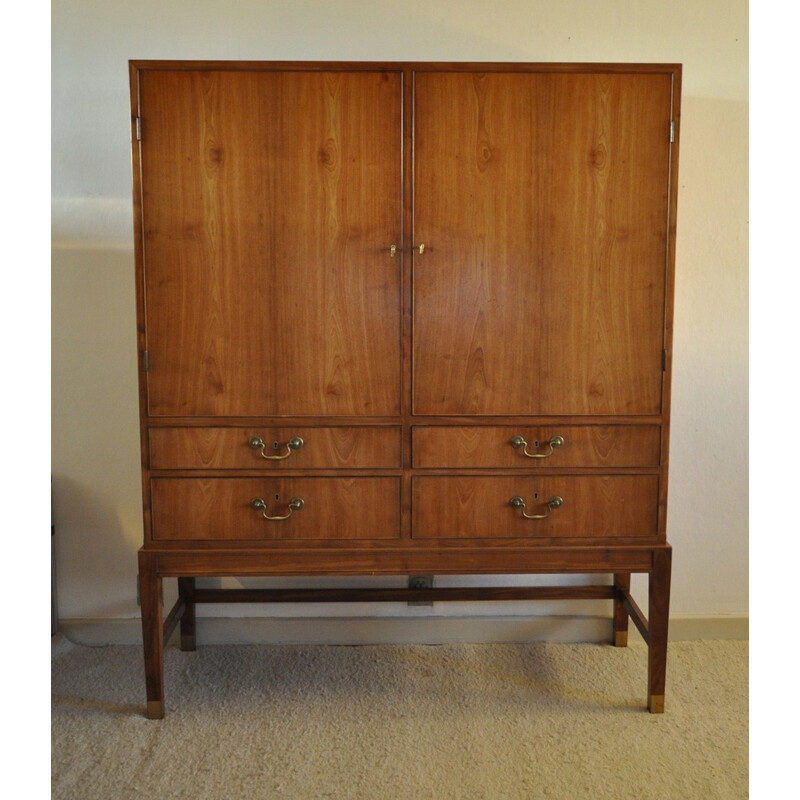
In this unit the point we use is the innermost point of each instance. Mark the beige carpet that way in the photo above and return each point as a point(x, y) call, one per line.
point(394, 722)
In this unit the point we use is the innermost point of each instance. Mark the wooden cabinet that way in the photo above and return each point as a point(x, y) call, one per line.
point(402, 319)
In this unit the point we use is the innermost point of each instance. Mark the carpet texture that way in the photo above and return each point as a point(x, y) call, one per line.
point(480, 722)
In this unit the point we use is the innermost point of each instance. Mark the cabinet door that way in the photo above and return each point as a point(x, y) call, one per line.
point(542, 201)
point(270, 201)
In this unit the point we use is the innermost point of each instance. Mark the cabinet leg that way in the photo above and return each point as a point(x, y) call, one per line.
point(188, 634)
point(152, 634)
point(622, 583)
point(658, 625)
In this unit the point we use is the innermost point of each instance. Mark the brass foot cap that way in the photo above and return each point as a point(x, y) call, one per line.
point(155, 709)
point(656, 704)
point(188, 643)
point(620, 638)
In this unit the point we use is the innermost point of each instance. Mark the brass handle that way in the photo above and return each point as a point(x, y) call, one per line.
point(295, 443)
point(259, 504)
point(519, 443)
point(552, 504)
point(394, 249)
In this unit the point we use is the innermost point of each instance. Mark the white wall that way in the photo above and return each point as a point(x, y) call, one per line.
point(95, 449)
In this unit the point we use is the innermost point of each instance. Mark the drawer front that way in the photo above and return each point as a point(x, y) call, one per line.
point(481, 507)
point(542, 446)
point(224, 508)
point(283, 448)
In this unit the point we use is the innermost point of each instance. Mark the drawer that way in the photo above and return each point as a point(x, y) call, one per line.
point(241, 448)
point(224, 508)
point(545, 446)
point(481, 507)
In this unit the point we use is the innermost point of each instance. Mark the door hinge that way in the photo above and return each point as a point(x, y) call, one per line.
point(663, 360)
point(146, 360)
point(671, 131)
point(138, 129)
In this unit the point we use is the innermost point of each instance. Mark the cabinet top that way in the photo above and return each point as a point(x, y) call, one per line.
point(406, 66)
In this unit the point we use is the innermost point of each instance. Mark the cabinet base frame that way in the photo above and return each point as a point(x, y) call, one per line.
point(186, 566)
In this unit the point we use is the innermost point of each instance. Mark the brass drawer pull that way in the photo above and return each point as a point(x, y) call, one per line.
point(519, 443)
point(295, 443)
point(259, 504)
point(552, 504)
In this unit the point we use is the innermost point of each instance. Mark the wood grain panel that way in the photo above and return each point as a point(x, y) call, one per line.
point(229, 448)
point(584, 446)
point(478, 507)
point(219, 508)
point(542, 201)
point(270, 201)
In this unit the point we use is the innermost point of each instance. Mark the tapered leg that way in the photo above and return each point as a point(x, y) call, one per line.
point(152, 634)
point(658, 624)
point(622, 583)
point(186, 592)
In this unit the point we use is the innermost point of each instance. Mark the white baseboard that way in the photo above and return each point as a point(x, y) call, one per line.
point(402, 630)
point(687, 627)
